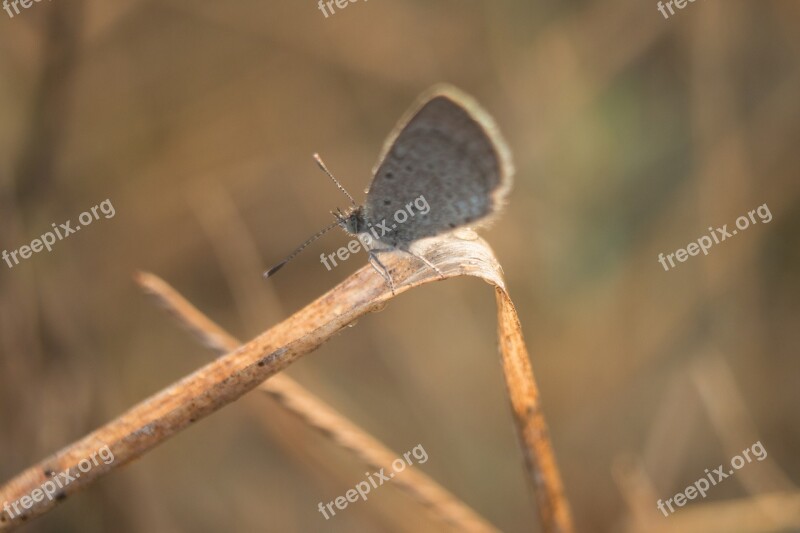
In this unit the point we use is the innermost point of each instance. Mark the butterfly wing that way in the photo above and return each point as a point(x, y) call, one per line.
point(447, 151)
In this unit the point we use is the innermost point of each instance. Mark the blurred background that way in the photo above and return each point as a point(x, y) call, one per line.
point(631, 133)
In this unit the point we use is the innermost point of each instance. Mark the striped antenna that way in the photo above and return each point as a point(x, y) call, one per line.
point(339, 220)
point(318, 159)
point(299, 249)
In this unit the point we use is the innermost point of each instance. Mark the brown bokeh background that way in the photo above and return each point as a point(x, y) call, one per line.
point(631, 135)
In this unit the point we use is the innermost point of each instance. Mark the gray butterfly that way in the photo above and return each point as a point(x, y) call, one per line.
point(448, 152)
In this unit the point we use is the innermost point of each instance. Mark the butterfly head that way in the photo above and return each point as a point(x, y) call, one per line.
point(352, 221)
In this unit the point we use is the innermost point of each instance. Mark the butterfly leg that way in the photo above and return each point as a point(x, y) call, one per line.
point(381, 269)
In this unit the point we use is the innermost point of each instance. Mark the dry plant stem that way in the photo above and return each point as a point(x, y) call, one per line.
point(531, 425)
point(227, 378)
point(319, 415)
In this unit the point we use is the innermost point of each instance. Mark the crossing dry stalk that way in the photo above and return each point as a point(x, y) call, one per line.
point(314, 412)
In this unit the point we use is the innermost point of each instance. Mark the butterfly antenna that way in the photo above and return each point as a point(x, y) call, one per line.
point(299, 249)
point(318, 159)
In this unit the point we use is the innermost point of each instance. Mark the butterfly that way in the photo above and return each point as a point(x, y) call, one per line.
point(445, 150)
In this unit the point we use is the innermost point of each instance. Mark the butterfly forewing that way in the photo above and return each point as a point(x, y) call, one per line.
point(448, 151)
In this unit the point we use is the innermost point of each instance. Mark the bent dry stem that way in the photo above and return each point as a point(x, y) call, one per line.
point(229, 377)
